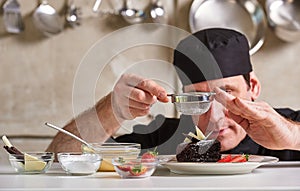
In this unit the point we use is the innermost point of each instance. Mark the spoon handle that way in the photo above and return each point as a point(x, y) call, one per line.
point(67, 133)
point(96, 5)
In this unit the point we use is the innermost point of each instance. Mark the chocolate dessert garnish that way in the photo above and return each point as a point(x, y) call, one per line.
point(11, 149)
point(201, 151)
point(195, 148)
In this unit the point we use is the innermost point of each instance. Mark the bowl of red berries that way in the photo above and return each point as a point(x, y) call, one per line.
point(140, 167)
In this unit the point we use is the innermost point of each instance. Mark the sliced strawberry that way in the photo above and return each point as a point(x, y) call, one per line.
point(138, 170)
point(227, 158)
point(239, 158)
point(124, 168)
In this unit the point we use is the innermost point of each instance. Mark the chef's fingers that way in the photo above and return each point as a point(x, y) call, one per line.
point(229, 102)
point(139, 105)
point(126, 93)
point(245, 124)
point(129, 109)
point(138, 112)
point(253, 110)
point(147, 85)
point(137, 109)
point(237, 106)
point(154, 89)
point(244, 107)
point(142, 96)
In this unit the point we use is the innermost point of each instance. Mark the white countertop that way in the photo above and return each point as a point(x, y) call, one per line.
point(280, 176)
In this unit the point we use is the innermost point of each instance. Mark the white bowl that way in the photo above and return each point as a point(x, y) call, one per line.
point(76, 163)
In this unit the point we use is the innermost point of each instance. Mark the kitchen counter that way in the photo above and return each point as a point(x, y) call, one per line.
point(280, 176)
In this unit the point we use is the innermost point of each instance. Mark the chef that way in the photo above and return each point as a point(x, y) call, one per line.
point(209, 60)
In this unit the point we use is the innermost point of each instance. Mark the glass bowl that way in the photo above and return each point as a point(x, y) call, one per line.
point(108, 151)
point(31, 162)
point(134, 168)
point(76, 163)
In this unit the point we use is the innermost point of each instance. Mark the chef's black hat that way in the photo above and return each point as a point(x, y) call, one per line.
point(212, 54)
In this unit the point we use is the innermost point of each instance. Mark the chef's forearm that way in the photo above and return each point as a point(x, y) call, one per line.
point(98, 123)
point(94, 125)
point(296, 134)
point(64, 143)
point(107, 116)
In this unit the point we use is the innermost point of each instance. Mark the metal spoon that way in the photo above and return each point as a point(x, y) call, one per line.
point(46, 19)
point(96, 5)
point(157, 12)
point(130, 15)
point(70, 134)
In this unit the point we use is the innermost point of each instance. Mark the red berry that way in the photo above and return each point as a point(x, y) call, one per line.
point(239, 158)
point(227, 158)
point(138, 170)
point(149, 156)
point(124, 168)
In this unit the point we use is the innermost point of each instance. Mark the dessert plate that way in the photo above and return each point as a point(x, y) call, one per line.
point(218, 168)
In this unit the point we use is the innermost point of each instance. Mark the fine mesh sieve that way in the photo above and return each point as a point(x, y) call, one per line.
point(193, 103)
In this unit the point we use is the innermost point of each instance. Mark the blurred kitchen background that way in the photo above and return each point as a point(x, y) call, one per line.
point(37, 70)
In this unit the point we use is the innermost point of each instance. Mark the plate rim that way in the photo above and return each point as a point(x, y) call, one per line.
point(238, 167)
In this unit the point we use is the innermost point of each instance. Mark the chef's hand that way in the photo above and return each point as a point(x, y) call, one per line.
point(261, 122)
point(133, 96)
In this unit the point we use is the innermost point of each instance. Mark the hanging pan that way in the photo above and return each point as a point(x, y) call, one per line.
point(245, 16)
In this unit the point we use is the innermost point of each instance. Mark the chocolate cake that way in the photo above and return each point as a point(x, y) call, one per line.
point(199, 151)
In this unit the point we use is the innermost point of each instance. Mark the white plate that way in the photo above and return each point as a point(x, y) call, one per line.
point(218, 168)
